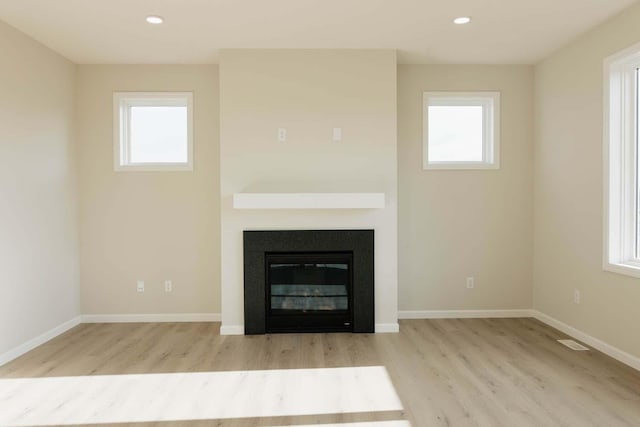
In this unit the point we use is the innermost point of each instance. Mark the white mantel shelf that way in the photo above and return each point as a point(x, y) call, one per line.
point(308, 201)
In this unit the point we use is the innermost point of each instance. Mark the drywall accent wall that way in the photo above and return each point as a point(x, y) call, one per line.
point(38, 207)
point(568, 190)
point(150, 226)
point(308, 92)
point(454, 224)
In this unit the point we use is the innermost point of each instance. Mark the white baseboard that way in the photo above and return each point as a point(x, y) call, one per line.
point(609, 350)
point(231, 330)
point(151, 318)
point(464, 314)
point(37, 341)
point(387, 328)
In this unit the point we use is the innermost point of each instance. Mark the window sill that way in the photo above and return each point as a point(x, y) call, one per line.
point(155, 167)
point(624, 269)
point(461, 166)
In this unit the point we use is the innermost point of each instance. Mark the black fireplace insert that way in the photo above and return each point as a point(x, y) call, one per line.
point(308, 281)
point(309, 292)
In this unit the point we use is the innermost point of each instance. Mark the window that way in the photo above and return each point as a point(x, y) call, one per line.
point(153, 131)
point(621, 163)
point(461, 130)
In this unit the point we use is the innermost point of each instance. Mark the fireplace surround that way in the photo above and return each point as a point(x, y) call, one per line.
point(308, 281)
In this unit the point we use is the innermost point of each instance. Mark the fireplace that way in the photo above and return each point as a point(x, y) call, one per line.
point(308, 281)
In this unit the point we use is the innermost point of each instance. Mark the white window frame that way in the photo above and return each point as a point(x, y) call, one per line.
point(621, 162)
point(490, 103)
point(122, 102)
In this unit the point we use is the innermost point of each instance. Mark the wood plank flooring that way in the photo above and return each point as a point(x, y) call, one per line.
point(453, 372)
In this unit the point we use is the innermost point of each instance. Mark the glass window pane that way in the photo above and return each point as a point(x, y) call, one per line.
point(455, 133)
point(158, 134)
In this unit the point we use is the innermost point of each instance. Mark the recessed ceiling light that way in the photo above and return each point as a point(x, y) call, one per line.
point(155, 19)
point(462, 20)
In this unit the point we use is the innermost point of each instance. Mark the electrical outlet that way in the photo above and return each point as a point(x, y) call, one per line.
point(471, 283)
point(168, 286)
point(576, 296)
point(282, 134)
point(140, 285)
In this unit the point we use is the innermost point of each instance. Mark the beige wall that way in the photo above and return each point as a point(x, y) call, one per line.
point(455, 224)
point(153, 226)
point(38, 207)
point(568, 190)
point(309, 92)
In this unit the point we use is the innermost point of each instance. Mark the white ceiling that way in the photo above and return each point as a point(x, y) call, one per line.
point(114, 31)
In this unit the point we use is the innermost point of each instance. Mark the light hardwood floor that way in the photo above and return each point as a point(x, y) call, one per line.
point(489, 372)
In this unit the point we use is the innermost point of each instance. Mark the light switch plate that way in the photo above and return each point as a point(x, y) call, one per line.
point(337, 134)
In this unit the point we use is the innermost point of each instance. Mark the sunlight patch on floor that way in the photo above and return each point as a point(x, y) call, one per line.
point(364, 424)
point(195, 396)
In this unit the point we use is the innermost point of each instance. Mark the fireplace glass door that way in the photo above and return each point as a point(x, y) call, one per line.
point(309, 292)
